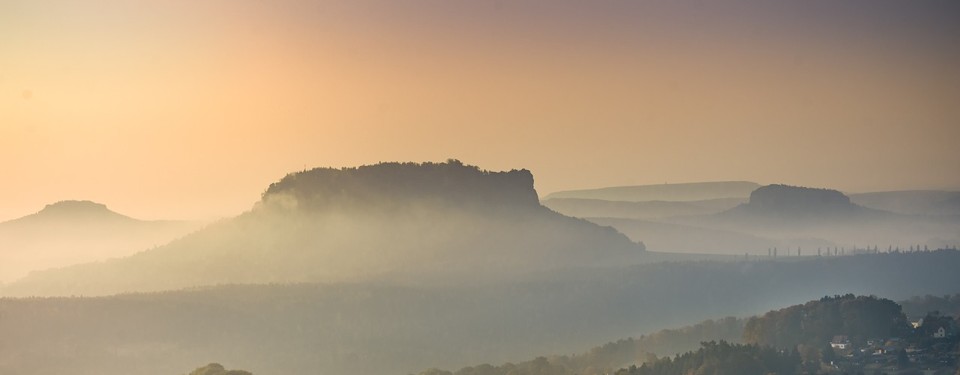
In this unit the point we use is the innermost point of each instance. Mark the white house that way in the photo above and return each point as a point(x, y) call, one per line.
point(940, 333)
point(840, 342)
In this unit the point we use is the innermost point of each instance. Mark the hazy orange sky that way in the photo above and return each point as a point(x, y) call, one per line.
point(189, 109)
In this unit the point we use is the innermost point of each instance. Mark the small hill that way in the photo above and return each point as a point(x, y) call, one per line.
point(405, 222)
point(72, 212)
point(794, 203)
point(71, 232)
point(810, 218)
point(667, 192)
point(816, 322)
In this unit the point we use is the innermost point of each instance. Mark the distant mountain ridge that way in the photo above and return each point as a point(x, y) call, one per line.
point(666, 192)
point(912, 202)
point(802, 219)
point(386, 222)
point(77, 231)
point(72, 210)
point(593, 208)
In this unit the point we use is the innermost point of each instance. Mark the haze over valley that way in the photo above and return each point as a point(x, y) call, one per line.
point(788, 218)
point(390, 222)
point(88, 232)
point(429, 187)
point(397, 267)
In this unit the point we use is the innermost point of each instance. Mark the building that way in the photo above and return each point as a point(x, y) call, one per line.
point(940, 333)
point(840, 342)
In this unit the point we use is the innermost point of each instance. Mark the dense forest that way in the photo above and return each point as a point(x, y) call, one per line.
point(722, 358)
point(815, 323)
point(608, 357)
point(694, 350)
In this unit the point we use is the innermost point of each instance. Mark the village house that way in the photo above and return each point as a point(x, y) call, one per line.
point(940, 333)
point(840, 342)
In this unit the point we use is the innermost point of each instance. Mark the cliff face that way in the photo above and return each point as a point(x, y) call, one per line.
point(388, 186)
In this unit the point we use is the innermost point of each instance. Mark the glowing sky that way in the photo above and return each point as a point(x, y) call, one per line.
point(189, 109)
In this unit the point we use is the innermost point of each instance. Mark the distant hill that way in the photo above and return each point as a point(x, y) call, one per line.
point(71, 232)
point(786, 209)
point(804, 216)
point(667, 192)
point(914, 202)
point(70, 212)
point(404, 222)
point(796, 203)
point(579, 207)
point(774, 216)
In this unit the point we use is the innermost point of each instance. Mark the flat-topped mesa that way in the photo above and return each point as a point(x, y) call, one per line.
point(74, 209)
point(387, 186)
point(793, 199)
point(390, 222)
point(72, 206)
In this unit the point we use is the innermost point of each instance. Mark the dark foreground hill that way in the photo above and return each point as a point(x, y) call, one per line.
point(388, 222)
point(71, 232)
point(384, 329)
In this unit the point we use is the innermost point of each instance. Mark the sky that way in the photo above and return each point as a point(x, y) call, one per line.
point(189, 109)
